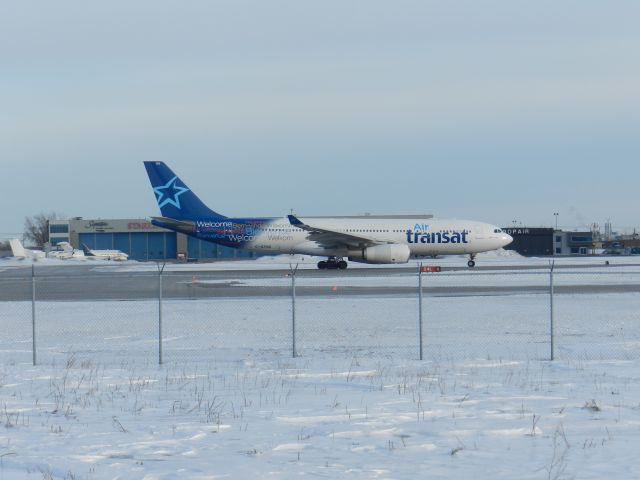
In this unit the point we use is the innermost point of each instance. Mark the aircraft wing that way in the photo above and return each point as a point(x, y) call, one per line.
point(332, 238)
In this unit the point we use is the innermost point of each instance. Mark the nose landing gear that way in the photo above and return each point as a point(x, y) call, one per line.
point(471, 263)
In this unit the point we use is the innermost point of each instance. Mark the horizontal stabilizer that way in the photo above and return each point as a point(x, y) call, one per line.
point(172, 223)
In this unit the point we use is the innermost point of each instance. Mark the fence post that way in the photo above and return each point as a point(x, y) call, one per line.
point(420, 306)
point(551, 328)
point(33, 312)
point(293, 309)
point(160, 270)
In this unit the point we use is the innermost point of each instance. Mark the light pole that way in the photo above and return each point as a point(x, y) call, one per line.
point(555, 214)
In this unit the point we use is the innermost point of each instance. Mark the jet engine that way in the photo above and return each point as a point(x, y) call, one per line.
point(391, 253)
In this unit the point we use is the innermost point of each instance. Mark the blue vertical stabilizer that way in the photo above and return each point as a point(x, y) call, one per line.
point(174, 198)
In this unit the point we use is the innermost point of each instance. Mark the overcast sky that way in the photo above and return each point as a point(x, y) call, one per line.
point(487, 110)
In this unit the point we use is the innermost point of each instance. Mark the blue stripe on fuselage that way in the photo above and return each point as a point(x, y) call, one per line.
point(231, 232)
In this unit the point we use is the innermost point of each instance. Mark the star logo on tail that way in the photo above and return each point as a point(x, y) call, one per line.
point(169, 194)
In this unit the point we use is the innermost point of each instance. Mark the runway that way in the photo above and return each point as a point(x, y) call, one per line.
point(88, 282)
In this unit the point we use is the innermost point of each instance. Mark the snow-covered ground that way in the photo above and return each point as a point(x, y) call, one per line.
point(230, 402)
point(10, 263)
point(273, 417)
point(512, 327)
point(593, 276)
point(495, 258)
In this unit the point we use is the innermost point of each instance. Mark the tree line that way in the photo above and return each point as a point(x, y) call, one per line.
point(36, 230)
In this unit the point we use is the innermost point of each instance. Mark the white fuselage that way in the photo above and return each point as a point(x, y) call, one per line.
point(107, 255)
point(423, 237)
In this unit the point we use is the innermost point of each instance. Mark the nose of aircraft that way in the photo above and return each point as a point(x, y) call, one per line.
point(506, 239)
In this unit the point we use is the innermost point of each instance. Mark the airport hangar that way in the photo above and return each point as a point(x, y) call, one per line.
point(143, 241)
point(138, 238)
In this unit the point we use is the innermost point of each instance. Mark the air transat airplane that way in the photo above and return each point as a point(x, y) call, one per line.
point(366, 239)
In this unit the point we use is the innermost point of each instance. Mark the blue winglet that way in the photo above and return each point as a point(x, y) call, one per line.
point(293, 220)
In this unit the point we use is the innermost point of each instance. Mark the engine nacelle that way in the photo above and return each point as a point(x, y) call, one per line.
point(391, 253)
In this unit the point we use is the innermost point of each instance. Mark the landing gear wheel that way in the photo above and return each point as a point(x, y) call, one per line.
point(471, 263)
point(322, 265)
point(342, 265)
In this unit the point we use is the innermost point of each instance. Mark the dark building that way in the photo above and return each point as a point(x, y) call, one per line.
point(530, 241)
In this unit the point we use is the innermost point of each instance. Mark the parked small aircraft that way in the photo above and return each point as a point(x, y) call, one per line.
point(63, 251)
point(116, 255)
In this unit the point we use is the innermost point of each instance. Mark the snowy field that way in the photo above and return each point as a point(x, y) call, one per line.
point(498, 257)
point(610, 275)
point(494, 258)
point(268, 416)
point(231, 402)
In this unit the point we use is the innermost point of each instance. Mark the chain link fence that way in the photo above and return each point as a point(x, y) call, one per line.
point(160, 317)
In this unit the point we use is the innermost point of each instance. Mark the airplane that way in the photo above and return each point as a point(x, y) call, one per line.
point(388, 239)
point(64, 251)
point(116, 255)
point(21, 253)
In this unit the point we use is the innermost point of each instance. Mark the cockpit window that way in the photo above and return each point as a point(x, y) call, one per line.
point(497, 230)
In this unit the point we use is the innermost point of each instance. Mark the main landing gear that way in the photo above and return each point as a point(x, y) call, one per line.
point(332, 263)
point(471, 263)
